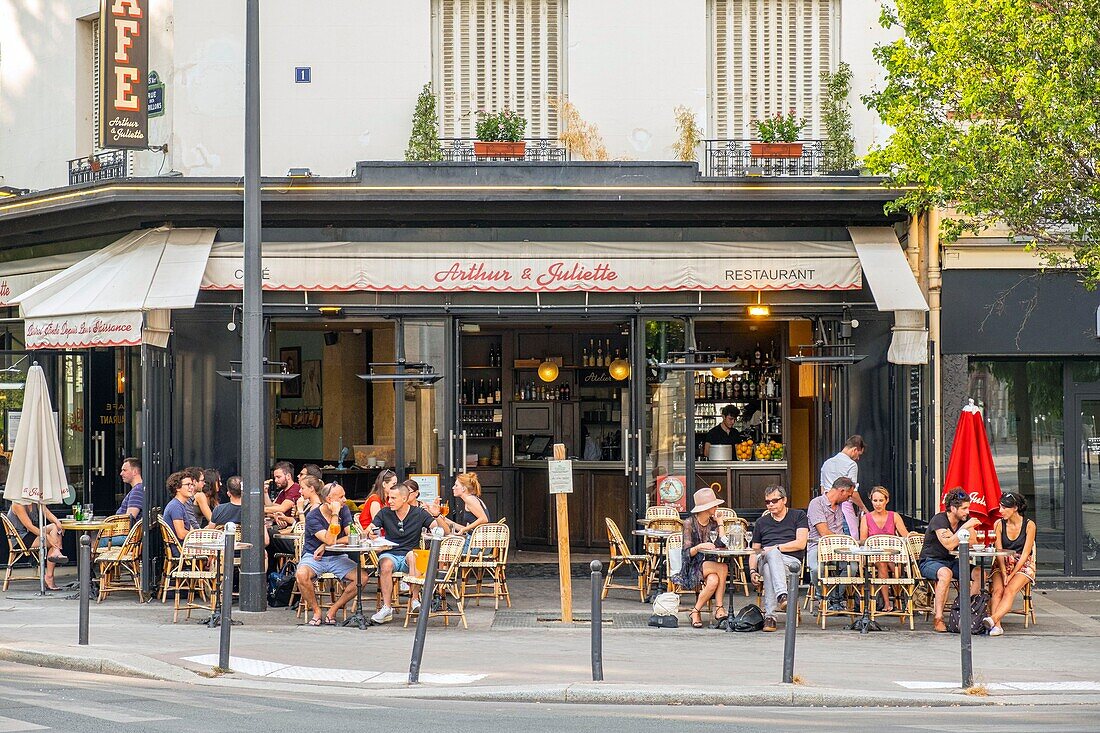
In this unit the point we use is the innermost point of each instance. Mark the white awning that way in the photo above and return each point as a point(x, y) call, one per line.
point(19, 276)
point(542, 267)
point(895, 289)
point(102, 300)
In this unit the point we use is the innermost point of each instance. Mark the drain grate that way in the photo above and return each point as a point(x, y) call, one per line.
point(552, 620)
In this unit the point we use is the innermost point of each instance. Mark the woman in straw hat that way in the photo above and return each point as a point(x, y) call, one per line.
point(701, 532)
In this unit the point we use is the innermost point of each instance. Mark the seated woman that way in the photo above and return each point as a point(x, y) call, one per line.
point(385, 480)
point(708, 576)
point(474, 513)
point(1015, 533)
point(882, 521)
point(206, 498)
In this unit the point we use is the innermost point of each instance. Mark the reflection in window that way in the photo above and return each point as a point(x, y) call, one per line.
point(1022, 402)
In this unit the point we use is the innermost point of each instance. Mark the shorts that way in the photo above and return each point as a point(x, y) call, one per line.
point(117, 540)
point(930, 568)
point(400, 562)
point(339, 565)
point(1010, 562)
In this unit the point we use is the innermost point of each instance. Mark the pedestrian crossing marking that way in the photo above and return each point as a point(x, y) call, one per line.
point(275, 670)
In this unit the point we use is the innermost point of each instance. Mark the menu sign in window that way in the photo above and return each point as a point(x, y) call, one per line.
point(124, 65)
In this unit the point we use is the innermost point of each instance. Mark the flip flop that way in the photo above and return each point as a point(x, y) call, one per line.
point(329, 621)
point(315, 621)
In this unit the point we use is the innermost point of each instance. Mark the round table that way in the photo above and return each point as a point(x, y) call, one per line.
point(986, 553)
point(661, 536)
point(863, 555)
point(359, 618)
point(728, 555)
point(86, 526)
point(219, 549)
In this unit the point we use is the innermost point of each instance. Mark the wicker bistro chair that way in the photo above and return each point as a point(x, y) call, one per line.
point(900, 583)
point(832, 562)
point(487, 556)
point(622, 557)
point(740, 574)
point(19, 552)
point(120, 567)
point(721, 514)
point(448, 584)
point(173, 550)
point(655, 547)
point(924, 590)
point(116, 526)
point(196, 573)
point(659, 511)
point(674, 548)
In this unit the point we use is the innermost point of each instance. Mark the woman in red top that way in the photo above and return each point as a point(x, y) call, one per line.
point(386, 479)
point(881, 521)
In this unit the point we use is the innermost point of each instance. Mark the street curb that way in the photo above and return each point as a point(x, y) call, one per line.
point(120, 664)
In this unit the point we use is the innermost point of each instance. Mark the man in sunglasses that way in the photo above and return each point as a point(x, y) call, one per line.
point(780, 539)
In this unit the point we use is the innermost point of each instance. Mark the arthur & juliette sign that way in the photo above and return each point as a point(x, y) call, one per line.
point(123, 68)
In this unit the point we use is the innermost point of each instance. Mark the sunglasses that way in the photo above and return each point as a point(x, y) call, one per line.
point(769, 502)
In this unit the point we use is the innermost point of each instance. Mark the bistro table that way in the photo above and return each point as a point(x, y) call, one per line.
point(86, 526)
point(729, 556)
point(218, 549)
point(359, 618)
point(864, 555)
point(981, 555)
point(661, 537)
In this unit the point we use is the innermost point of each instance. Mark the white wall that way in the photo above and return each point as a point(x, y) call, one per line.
point(631, 63)
point(860, 32)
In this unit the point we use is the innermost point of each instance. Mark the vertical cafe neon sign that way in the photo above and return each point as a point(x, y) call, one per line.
point(124, 65)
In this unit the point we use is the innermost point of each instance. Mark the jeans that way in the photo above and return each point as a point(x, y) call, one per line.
point(836, 595)
point(774, 567)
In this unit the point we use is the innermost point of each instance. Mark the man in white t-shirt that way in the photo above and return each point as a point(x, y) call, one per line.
point(844, 464)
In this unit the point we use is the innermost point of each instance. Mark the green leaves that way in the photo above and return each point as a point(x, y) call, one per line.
point(424, 138)
point(996, 110)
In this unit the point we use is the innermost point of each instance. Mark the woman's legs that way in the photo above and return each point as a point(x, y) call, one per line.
point(883, 569)
point(1015, 585)
point(997, 589)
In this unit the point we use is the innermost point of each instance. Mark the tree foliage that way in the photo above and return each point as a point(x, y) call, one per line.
point(996, 110)
point(836, 116)
point(424, 139)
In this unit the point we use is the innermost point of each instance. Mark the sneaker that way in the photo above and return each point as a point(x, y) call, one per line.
point(837, 606)
point(384, 615)
point(988, 622)
point(769, 623)
point(415, 606)
point(996, 631)
point(403, 586)
point(781, 599)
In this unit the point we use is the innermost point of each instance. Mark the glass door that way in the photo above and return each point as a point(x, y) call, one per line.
point(1087, 476)
point(660, 441)
point(427, 419)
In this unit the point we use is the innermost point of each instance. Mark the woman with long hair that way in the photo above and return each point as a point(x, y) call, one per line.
point(702, 532)
point(474, 512)
point(386, 479)
point(882, 521)
point(207, 497)
point(1015, 533)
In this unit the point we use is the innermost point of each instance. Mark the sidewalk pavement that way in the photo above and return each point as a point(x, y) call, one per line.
point(513, 654)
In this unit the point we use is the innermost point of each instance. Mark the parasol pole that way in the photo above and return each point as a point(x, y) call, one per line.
point(43, 548)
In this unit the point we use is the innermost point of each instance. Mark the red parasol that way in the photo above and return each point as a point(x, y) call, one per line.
point(971, 467)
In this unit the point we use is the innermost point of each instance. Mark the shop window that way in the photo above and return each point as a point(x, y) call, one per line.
point(1085, 372)
point(1023, 406)
point(496, 54)
point(768, 57)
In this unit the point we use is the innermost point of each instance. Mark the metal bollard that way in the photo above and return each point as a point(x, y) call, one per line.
point(792, 623)
point(597, 621)
point(227, 596)
point(964, 609)
point(85, 586)
point(425, 606)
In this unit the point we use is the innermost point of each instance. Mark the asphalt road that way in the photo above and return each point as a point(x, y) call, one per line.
point(33, 698)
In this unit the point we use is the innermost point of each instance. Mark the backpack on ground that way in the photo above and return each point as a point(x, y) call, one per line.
point(280, 585)
point(748, 618)
point(979, 609)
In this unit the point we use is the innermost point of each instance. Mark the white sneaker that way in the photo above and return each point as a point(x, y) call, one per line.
point(384, 615)
point(415, 606)
point(988, 622)
point(403, 586)
point(996, 631)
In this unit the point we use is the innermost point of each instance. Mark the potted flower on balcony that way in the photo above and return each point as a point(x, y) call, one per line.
point(500, 134)
point(778, 135)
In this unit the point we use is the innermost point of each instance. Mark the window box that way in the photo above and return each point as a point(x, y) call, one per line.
point(777, 150)
point(498, 149)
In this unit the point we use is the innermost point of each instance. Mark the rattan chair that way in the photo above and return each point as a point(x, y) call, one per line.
point(740, 574)
point(622, 557)
point(657, 511)
point(830, 558)
point(118, 525)
point(196, 573)
point(674, 548)
point(924, 590)
point(448, 584)
point(487, 556)
point(721, 514)
point(19, 552)
point(172, 553)
point(120, 567)
point(655, 547)
point(900, 583)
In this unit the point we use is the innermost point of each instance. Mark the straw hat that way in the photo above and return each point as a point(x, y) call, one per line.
point(705, 499)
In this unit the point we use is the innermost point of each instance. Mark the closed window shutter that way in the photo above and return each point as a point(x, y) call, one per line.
point(497, 54)
point(768, 57)
point(95, 86)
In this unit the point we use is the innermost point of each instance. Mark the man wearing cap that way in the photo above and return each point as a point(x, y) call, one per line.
point(779, 538)
point(707, 576)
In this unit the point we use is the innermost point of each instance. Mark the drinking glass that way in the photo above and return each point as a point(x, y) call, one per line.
point(87, 512)
point(713, 536)
point(445, 509)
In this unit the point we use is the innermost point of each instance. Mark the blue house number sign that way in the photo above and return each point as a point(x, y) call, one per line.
point(302, 74)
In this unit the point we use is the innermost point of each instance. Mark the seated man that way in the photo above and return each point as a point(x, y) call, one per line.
point(936, 561)
point(25, 518)
point(780, 539)
point(825, 515)
point(402, 524)
point(326, 526)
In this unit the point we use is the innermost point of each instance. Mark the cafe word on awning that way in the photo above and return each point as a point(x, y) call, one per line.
point(542, 267)
point(121, 295)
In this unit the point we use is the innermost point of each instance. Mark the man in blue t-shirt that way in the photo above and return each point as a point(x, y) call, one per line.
point(318, 559)
point(132, 502)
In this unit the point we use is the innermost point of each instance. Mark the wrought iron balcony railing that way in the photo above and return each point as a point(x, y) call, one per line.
point(735, 158)
point(539, 149)
point(99, 167)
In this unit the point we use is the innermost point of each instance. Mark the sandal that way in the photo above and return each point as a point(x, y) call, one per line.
point(696, 618)
point(329, 621)
point(315, 621)
point(723, 616)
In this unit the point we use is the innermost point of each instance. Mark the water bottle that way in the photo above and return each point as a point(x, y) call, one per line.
point(78, 515)
point(737, 537)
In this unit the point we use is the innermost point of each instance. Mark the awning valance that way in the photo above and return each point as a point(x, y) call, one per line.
point(103, 299)
point(543, 267)
point(895, 289)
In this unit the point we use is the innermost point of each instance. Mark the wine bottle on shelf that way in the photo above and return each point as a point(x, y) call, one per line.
point(591, 353)
point(599, 355)
point(584, 357)
point(757, 356)
point(497, 394)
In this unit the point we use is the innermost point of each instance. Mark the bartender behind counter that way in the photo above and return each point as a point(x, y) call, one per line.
point(724, 433)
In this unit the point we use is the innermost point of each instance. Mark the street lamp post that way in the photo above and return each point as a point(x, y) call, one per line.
point(252, 581)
